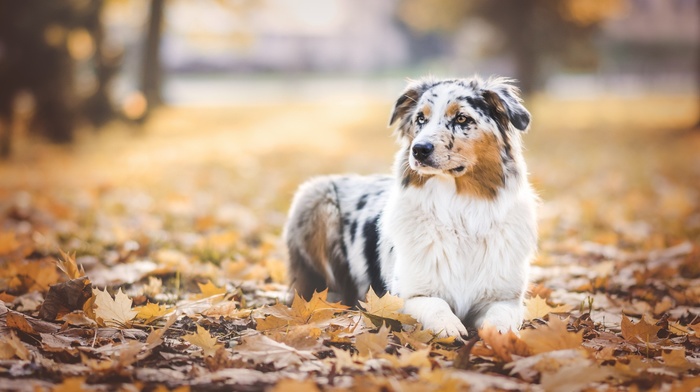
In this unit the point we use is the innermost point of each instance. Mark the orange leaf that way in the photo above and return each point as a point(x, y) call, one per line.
point(504, 345)
point(551, 336)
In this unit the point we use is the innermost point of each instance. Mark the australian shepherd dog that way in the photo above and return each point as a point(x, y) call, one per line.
point(452, 231)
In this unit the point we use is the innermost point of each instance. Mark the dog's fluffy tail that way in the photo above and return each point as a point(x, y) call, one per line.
point(314, 236)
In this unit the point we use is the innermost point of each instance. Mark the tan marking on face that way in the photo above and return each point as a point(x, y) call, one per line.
point(427, 111)
point(485, 177)
point(452, 109)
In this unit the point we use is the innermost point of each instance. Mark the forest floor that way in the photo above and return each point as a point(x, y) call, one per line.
point(150, 258)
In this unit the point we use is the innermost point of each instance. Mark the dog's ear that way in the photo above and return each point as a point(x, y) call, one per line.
point(504, 99)
point(407, 102)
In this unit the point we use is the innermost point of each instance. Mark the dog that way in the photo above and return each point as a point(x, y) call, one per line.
point(451, 232)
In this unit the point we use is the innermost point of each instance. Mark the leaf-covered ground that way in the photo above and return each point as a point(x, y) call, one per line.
point(151, 258)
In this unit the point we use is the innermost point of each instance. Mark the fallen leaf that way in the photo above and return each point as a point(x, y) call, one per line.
point(642, 332)
point(113, 312)
point(150, 311)
point(504, 345)
point(372, 345)
point(18, 322)
point(385, 310)
point(537, 307)
point(65, 297)
point(78, 318)
point(551, 336)
point(676, 358)
point(11, 346)
point(70, 384)
point(68, 265)
point(203, 340)
point(262, 349)
point(209, 290)
point(316, 311)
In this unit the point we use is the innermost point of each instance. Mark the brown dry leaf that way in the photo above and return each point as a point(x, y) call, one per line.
point(552, 336)
point(208, 290)
point(203, 340)
point(302, 337)
point(262, 349)
point(504, 345)
point(18, 321)
point(78, 318)
point(11, 346)
point(155, 338)
point(68, 265)
point(113, 312)
point(151, 312)
point(537, 307)
point(676, 358)
point(385, 310)
point(574, 377)
point(372, 345)
point(642, 332)
point(65, 297)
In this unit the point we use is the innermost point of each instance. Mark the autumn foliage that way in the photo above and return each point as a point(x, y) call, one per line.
point(126, 266)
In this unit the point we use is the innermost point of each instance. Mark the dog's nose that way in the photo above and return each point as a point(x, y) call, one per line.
point(421, 151)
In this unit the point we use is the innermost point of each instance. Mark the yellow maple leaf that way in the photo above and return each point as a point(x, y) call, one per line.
point(203, 340)
point(208, 290)
point(68, 265)
point(537, 307)
point(315, 311)
point(551, 336)
point(372, 345)
point(113, 312)
point(385, 310)
point(151, 311)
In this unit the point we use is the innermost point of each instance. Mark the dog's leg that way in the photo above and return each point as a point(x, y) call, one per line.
point(435, 314)
point(504, 315)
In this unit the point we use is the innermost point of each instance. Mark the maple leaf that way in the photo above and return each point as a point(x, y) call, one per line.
point(537, 307)
point(317, 310)
point(68, 265)
point(227, 309)
point(203, 340)
point(504, 345)
point(113, 312)
point(372, 345)
point(151, 311)
point(676, 359)
point(155, 338)
point(208, 290)
point(385, 310)
point(643, 332)
point(551, 336)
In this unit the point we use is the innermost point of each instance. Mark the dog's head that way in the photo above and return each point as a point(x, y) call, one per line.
point(463, 128)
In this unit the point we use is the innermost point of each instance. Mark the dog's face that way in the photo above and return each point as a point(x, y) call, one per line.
point(454, 127)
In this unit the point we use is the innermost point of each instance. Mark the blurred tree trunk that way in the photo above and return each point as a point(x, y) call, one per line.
point(151, 71)
point(524, 44)
point(98, 106)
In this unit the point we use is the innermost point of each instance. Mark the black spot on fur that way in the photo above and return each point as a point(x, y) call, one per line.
point(353, 230)
point(371, 234)
point(362, 202)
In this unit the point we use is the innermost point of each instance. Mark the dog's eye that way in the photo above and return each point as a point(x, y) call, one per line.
point(463, 120)
point(420, 119)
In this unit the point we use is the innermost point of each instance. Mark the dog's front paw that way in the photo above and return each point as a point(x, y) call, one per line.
point(445, 324)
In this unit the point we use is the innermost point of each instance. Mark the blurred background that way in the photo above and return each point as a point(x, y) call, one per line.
point(75, 63)
point(187, 125)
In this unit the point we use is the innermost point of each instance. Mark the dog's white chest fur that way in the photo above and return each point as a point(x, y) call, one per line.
point(466, 251)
